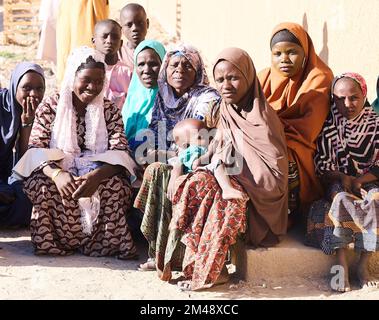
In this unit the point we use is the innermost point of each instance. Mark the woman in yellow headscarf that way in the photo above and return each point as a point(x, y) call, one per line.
point(75, 26)
point(297, 87)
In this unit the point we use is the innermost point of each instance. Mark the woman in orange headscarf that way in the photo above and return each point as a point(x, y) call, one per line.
point(297, 87)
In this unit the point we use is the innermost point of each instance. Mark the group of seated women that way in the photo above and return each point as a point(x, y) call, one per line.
point(291, 143)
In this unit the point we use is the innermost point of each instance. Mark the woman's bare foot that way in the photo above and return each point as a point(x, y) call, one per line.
point(346, 285)
point(342, 261)
point(222, 278)
point(231, 193)
point(364, 277)
point(184, 285)
point(342, 287)
point(149, 265)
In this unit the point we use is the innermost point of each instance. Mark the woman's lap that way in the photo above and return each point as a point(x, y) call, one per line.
point(210, 224)
point(346, 220)
point(56, 223)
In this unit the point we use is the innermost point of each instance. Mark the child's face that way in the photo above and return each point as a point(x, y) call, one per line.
point(134, 26)
point(107, 39)
point(191, 137)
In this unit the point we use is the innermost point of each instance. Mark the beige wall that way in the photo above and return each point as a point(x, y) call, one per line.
point(344, 32)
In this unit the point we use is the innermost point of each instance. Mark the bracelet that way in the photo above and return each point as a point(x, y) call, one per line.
point(55, 174)
point(25, 125)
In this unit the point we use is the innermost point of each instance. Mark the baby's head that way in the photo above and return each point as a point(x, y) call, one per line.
point(190, 132)
point(107, 37)
point(134, 23)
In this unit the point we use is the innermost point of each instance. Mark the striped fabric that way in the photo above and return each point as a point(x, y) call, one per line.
point(349, 146)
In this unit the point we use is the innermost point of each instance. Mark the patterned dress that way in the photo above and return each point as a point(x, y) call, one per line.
point(210, 225)
point(351, 147)
point(164, 246)
point(55, 224)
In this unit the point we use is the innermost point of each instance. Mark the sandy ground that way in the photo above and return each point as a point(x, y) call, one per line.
point(26, 276)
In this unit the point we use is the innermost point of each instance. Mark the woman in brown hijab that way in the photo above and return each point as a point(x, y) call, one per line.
point(297, 86)
point(251, 131)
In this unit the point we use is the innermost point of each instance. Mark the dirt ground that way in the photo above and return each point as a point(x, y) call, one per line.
point(26, 276)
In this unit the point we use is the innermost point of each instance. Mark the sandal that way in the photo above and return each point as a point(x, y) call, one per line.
point(149, 265)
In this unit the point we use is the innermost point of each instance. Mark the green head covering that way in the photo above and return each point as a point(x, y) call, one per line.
point(137, 109)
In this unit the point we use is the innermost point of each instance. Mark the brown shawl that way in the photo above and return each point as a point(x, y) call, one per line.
point(302, 103)
point(263, 148)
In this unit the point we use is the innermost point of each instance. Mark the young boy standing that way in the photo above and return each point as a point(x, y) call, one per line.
point(107, 40)
point(134, 24)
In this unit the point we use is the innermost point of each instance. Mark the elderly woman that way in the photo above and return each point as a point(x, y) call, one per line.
point(143, 89)
point(183, 93)
point(297, 86)
point(17, 110)
point(78, 167)
point(251, 129)
point(347, 161)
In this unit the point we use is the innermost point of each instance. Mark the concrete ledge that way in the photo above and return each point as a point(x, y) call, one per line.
point(290, 258)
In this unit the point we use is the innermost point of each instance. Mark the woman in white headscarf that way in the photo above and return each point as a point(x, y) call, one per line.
point(78, 167)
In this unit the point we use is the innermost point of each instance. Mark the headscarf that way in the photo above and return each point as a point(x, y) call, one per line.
point(10, 115)
point(64, 135)
point(375, 104)
point(302, 103)
point(138, 106)
point(263, 148)
point(349, 146)
point(64, 132)
point(283, 36)
point(167, 107)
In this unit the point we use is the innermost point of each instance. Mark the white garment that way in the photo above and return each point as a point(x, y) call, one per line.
point(47, 48)
point(64, 132)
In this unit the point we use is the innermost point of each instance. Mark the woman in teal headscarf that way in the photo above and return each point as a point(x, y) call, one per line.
point(143, 88)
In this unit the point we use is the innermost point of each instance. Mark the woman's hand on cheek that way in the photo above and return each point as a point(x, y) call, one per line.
point(29, 107)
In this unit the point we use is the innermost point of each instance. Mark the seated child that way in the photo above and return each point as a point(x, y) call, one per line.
point(192, 138)
point(107, 40)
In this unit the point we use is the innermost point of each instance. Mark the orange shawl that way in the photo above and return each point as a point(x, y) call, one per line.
point(302, 103)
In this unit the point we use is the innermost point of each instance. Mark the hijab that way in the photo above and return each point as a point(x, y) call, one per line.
point(137, 110)
point(263, 148)
point(10, 115)
point(349, 146)
point(302, 103)
point(168, 108)
point(64, 135)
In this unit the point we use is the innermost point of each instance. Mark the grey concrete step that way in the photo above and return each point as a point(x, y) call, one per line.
point(289, 258)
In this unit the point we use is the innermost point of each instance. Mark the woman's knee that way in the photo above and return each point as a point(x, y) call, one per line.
point(153, 168)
